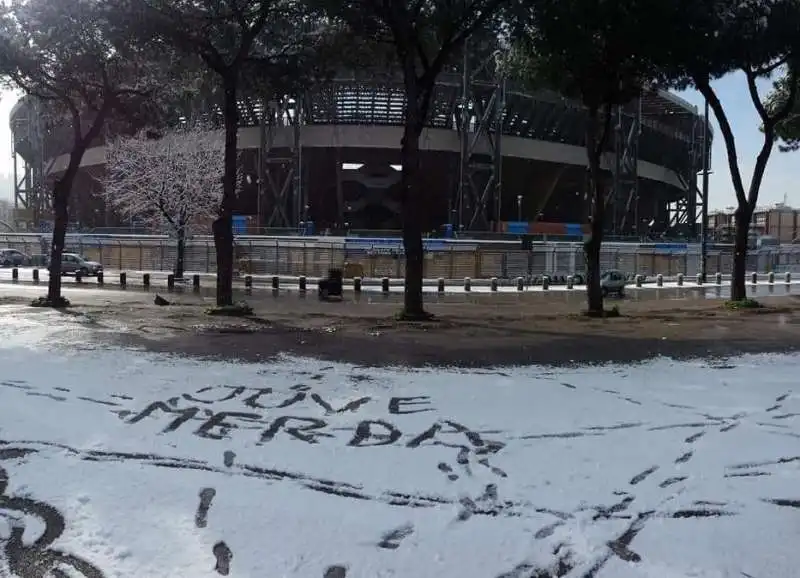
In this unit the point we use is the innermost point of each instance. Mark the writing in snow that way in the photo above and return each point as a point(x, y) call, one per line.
point(267, 415)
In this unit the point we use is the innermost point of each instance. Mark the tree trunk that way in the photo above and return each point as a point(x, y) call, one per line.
point(60, 220)
point(223, 225)
point(61, 192)
point(412, 227)
point(742, 219)
point(181, 249)
point(594, 150)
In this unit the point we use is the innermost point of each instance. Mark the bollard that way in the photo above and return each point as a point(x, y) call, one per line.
point(36, 275)
point(248, 281)
point(699, 278)
point(15, 274)
point(718, 278)
point(385, 284)
point(660, 280)
point(771, 278)
point(78, 277)
point(520, 284)
point(545, 283)
point(276, 283)
point(123, 280)
point(467, 284)
point(493, 284)
point(570, 282)
point(170, 282)
point(195, 282)
point(301, 284)
point(639, 280)
point(440, 285)
point(146, 280)
point(100, 278)
point(754, 278)
point(357, 284)
point(788, 277)
point(680, 279)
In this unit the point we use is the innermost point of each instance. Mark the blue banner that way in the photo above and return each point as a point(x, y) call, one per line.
point(390, 245)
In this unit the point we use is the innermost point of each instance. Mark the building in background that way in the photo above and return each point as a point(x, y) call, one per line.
point(779, 222)
point(494, 158)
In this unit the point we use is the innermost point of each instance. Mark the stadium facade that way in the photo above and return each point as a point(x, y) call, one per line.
point(493, 158)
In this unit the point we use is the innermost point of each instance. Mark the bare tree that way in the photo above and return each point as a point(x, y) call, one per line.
point(171, 180)
point(240, 42)
point(65, 54)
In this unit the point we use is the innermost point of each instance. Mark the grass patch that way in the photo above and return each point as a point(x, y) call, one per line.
point(744, 304)
point(60, 303)
point(240, 309)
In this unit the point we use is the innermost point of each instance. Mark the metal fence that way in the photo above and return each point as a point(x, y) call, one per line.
point(314, 256)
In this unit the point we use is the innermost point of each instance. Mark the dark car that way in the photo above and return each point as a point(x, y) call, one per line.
point(13, 258)
point(73, 264)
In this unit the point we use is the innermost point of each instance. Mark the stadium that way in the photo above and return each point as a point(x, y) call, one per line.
point(494, 158)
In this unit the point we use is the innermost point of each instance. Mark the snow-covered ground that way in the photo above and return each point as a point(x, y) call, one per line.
point(121, 463)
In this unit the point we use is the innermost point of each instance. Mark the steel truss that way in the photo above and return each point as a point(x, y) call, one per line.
point(31, 198)
point(281, 198)
point(624, 198)
point(683, 216)
point(479, 121)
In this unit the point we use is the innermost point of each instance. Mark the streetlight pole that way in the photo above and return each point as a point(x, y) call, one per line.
point(704, 211)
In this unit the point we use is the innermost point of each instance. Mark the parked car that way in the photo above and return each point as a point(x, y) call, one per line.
point(13, 258)
point(72, 264)
point(613, 281)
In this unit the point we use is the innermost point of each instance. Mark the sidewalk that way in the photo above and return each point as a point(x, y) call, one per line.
point(159, 279)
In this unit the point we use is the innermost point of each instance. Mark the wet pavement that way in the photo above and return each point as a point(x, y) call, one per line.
point(560, 294)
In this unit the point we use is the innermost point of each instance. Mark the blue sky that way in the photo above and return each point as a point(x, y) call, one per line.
point(783, 171)
point(782, 177)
